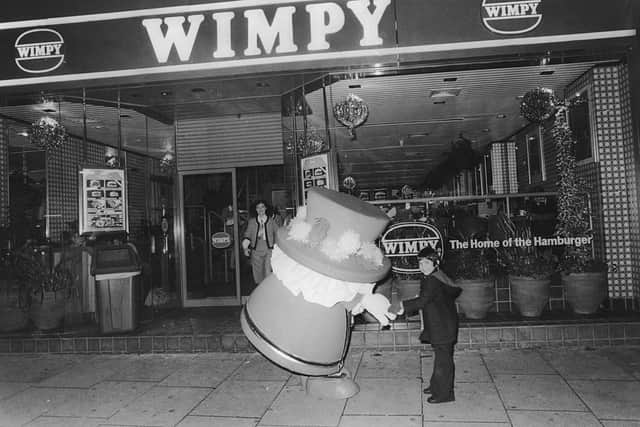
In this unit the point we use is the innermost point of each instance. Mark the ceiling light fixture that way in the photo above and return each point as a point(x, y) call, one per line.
point(450, 79)
point(438, 102)
point(165, 93)
point(501, 116)
point(546, 72)
point(444, 93)
point(198, 90)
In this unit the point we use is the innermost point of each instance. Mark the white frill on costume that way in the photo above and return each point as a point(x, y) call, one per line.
point(313, 286)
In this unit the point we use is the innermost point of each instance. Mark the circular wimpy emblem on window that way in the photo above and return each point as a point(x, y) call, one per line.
point(511, 17)
point(402, 242)
point(39, 51)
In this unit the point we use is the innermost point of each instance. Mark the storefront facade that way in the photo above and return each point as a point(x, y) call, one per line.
point(320, 52)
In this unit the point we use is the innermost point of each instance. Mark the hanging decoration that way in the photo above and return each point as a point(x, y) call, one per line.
point(538, 105)
point(349, 183)
point(111, 158)
point(48, 133)
point(351, 112)
point(167, 163)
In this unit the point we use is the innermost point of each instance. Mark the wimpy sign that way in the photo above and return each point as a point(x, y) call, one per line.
point(264, 32)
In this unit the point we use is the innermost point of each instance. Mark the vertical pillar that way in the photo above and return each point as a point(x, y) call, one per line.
point(4, 175)
point(617, 172)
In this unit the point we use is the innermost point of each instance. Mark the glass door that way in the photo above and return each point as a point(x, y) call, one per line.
point(210, 239)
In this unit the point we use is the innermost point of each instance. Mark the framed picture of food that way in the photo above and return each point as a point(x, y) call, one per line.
point(103, 201)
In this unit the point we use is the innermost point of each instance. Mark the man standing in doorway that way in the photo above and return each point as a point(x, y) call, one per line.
point(258, 240)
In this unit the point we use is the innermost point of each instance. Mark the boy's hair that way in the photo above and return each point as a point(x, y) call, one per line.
point(429, 253)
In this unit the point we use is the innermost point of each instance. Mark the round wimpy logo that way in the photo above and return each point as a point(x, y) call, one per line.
point(402, 242)
point(511, 17)
point(39, 50)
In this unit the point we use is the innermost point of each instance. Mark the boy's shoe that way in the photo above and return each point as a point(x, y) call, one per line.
point(427, 390)
point(434, 399)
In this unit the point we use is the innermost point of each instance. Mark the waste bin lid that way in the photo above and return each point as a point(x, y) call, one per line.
point(115, 259)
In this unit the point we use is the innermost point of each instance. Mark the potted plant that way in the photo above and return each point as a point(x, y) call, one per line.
point(583, 275)
point(47, 289)
point(529, 268)
point(473, 271)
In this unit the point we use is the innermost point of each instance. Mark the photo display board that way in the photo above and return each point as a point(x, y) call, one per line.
point(103, 201)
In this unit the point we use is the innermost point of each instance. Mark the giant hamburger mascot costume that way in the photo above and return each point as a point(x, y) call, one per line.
point(325, 265)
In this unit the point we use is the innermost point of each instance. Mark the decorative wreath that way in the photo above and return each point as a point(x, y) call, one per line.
point(538, 105)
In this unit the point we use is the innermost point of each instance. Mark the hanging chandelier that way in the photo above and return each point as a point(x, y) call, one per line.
point(167, 163)
point(48, 133)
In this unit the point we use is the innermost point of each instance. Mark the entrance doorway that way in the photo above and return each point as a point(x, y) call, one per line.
point(211, 265)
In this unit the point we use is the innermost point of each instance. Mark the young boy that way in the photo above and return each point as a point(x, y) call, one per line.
point(437, 301)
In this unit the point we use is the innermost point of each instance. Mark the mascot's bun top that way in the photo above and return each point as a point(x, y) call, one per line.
point(334, 235)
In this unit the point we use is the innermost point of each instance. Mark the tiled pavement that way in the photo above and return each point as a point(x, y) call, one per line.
point(577, 386)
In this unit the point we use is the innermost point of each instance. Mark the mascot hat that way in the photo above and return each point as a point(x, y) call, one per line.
point(334, 235)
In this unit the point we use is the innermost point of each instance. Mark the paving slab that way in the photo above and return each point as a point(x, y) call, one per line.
point(198, 421)
point(516, 362)
point(612, 400)
point(35, 368)
point(46, 421)
point(537, 392)
point(293, 407)
point(470, 367)
point(151, 367)
point(102, 400)
point(86, 372)
point(242, 399)
point(259, 368)
point(380, 421)
point(28, 404)
point(475, 402)
point(160, 406)
point(203, 373)
point(626, 357)
point(386, 396)
point(553, 419)
point(614, 423)
point(8, 389)
point(389, 365)
point(582, 364)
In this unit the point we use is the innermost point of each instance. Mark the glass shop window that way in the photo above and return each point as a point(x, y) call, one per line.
point(580, 125)
point(535, 156)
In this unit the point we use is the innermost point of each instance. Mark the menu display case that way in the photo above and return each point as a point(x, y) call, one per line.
point(103, 201)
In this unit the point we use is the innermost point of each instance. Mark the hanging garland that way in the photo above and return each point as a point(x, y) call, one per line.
point(47, 133)
point(307, 144)
point(352, 112)
point(538, 105)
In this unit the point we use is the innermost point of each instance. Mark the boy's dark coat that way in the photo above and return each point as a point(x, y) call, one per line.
point(437, 301)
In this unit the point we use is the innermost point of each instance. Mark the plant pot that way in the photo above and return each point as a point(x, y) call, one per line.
point(477, 297)
point(585, 291)
point(529, 294)
point(49, 313)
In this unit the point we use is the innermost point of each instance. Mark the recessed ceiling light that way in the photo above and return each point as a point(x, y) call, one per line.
point(198, 90)
point(262, 84)
point(519, 97)
point(450, 79)
point(438, 102)
point(98, 126)
point(23, 133)
point(485, 130)
point(444, 93)
point(501, 116)
point(546, 72)
point(165, 93)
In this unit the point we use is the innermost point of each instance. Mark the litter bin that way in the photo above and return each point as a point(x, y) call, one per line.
point(115, 269)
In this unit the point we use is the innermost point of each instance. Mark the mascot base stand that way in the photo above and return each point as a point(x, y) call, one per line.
point(299, 317)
